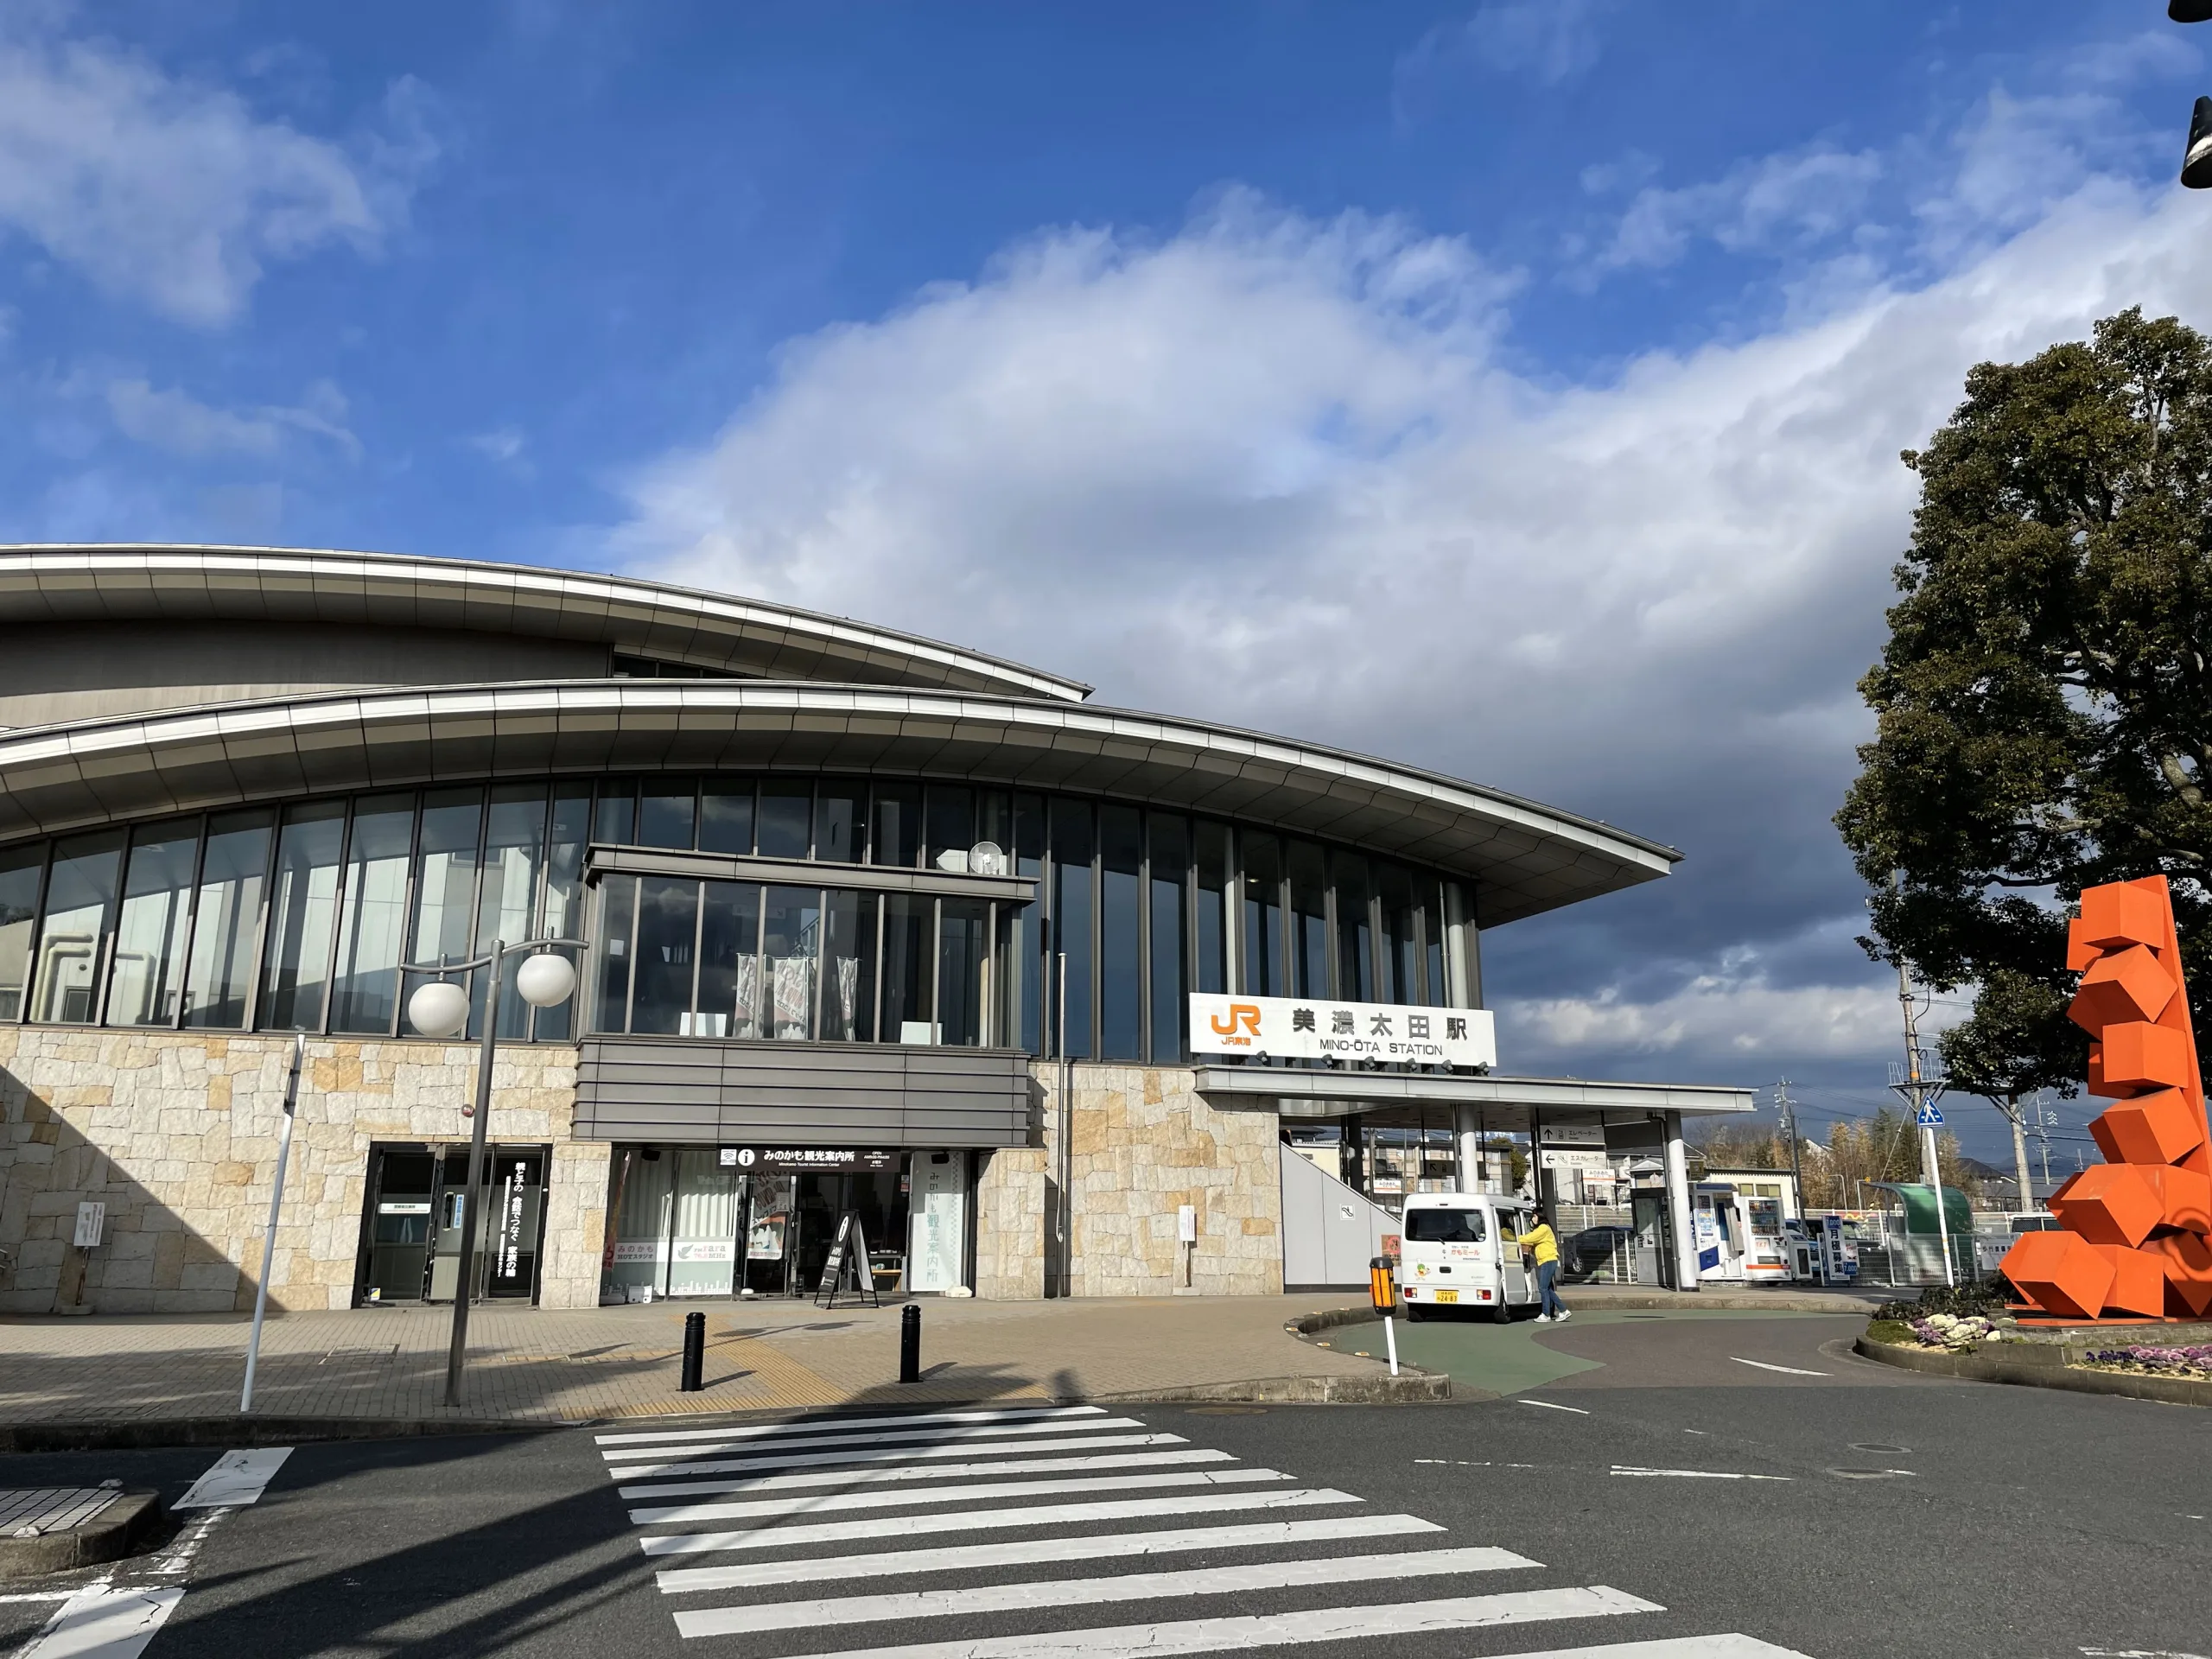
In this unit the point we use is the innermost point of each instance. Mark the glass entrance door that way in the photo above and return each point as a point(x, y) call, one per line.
point(509, 1214)
point(400, 1187)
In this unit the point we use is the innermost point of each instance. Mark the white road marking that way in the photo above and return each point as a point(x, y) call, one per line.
point(235, 1477)
point(1730, 1646)
point(1548, 1406)
point(1280, 1630)
point(902, 1454)
point(959, 1558)
point(2138, 1652)
point(44, 1595)
point(800, 1449)
point(102, 1623)
point(1694, 1474)
point(838, 1425)
point(1042, 1515)
point(1787, 1371)
point(1069, 1592)
point(825, 1503)
point(941, 1471)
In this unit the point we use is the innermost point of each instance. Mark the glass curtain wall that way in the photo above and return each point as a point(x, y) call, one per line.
point(302, 917)
point(22, 871)
point(226, 920)
point(147, 983)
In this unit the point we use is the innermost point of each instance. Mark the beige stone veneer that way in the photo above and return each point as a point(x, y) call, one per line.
point(1144, 1144)
point(175, 1132)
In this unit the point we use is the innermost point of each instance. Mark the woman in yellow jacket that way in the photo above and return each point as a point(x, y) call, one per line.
point(1544, 1242)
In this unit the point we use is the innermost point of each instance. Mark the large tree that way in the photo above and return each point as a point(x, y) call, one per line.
point(2044, 703)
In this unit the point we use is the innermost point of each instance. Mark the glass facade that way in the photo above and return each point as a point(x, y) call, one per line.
point(304, 917)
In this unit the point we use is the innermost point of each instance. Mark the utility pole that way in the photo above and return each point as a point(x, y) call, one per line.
point(1786, 1108)
point(2015, 1113)
point(2044, 1121)
point(1921, 1091)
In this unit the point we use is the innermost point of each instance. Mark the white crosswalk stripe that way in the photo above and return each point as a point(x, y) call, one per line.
point(808, 1491)
point(1042, 1515)
point(840, 1424)
point(942, 1472)
point(1027, 1552)
point(885, 1437)
point(1067, 1592)
point(1279, 1630)
point(821, 1502)
point(794, 1458)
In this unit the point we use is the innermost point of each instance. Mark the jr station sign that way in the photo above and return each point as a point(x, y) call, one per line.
point(1304, 1028)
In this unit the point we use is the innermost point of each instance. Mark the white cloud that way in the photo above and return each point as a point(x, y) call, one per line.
point(504, 445)
point(1788, 200)
point(1730, 1019)
point(165, 418)
point(1276, 471)
point(173, 192)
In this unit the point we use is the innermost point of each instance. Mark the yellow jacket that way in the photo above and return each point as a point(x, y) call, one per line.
point(1540, 1239)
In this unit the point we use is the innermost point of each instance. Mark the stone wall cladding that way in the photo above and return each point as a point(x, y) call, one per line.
point(176, 1133)
point(1144, 1143)
point(1010, 1226)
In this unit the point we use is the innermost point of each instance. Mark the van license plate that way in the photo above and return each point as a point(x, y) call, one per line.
point(1448, 1295)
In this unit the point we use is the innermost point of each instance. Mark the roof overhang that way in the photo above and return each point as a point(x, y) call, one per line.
point(1427, 1099)
point(1524, 858)
point(681, 624)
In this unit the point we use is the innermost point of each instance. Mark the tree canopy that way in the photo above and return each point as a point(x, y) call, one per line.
point(2043, 704)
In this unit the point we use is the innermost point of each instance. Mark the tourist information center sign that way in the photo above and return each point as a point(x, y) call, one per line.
point(1300, 1029)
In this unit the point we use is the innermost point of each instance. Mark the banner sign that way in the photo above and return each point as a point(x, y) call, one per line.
point(827, 1160)
point(1297, 1028)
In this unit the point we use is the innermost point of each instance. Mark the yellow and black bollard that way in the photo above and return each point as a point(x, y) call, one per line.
point(1384, 1290)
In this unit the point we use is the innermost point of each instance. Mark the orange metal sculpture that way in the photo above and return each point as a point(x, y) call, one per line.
point(2136, 1238)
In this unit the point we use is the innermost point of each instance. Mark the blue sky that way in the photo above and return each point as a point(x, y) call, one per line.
point(1510, 387)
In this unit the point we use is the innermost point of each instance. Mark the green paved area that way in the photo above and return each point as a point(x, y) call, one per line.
point(1512, 1358)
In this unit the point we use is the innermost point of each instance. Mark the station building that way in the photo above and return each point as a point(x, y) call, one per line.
point(869, 925)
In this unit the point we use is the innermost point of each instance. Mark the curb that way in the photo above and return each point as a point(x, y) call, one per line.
point(229, 1432)
point(2037, 1374)
point(1602, 1298)
point(1409, 1387)
point(115, 1532)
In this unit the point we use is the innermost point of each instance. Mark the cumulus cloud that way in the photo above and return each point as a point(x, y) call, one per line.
point(1727, 1018)
point(1281, 472)
point(1773, 201)
point(170, 419)
point(173, 192)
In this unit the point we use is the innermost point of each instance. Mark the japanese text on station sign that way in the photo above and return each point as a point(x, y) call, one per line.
point(1304, 1028)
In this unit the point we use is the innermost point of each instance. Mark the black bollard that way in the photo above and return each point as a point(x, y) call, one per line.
point(695, 1352)
point(910, 1343)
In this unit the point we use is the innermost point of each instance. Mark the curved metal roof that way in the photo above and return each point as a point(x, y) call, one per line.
point(1525, 858)
point(91, 583)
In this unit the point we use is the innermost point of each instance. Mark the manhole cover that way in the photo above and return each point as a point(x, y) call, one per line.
point(1868, 1474)
point(1876, 1446)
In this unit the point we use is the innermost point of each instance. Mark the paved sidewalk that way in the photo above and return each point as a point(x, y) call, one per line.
point(531, 1365)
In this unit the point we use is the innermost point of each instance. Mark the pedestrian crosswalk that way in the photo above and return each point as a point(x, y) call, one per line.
point(794, 1520)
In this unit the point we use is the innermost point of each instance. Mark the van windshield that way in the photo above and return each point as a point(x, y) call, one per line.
point(1444, 1227)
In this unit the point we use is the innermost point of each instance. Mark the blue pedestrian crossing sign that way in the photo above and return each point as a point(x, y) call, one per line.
point(1929, 1118)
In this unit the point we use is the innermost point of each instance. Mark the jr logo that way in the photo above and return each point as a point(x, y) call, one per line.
point(1242, 1014)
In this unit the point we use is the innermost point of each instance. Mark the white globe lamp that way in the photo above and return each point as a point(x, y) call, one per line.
point(546, 981)
point(439, 1008)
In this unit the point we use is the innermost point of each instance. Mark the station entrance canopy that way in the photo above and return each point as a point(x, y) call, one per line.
point(1414, 1100)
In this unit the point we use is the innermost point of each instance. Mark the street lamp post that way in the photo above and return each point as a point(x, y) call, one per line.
point(440, 1008)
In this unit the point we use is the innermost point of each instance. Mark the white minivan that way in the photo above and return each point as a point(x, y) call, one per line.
point(1455, 1252)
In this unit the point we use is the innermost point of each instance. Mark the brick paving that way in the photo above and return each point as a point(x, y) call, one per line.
point(535, 1365)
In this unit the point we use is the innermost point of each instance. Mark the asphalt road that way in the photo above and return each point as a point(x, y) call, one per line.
point(1893, 1515)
